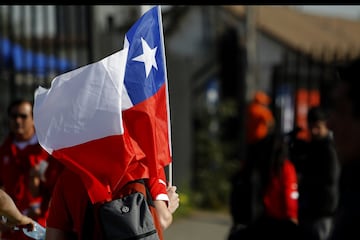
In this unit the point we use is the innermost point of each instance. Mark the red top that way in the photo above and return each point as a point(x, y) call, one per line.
point(69, 201)
point(281, 197)
point(15, 165)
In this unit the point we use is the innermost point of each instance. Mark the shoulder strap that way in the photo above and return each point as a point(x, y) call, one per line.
point(154, 213)
point(138, 185)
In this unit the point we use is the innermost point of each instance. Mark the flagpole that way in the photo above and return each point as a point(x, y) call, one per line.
point(170, 170)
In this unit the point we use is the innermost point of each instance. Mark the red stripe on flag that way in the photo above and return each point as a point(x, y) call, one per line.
point(147, 124)
point(101, 163)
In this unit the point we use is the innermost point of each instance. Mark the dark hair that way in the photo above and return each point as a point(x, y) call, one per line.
point(273, 162)
point(316, 114)
point(349, 73)
point(17, 102)
point(280, 153)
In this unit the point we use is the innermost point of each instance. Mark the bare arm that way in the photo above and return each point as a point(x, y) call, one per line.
point(164, 211)
point(9, 210)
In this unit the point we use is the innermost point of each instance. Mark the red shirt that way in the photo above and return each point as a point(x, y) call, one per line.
point(69, 201)
point(281, 197)
point(15, 165)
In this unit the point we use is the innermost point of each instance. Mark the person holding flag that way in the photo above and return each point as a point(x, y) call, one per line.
point(108, 124)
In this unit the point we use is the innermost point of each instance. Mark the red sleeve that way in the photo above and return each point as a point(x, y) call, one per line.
point(158, 187)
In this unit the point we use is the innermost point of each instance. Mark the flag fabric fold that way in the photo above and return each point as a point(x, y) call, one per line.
point(145, 85)
point(101, 119)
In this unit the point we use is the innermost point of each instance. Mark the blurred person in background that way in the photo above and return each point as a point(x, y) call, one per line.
point(260, 125)
point(319, 173)
point(246, 197)
point(278, 195)
point(260, 121)
point(23, 165)
point(280, 217)
point(345, 122)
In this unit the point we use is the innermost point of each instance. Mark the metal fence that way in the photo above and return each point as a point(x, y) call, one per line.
point(36, 44)
point(299, 82)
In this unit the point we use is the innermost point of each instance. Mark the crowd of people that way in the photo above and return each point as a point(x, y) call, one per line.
point(289, 188)
point(314, 196)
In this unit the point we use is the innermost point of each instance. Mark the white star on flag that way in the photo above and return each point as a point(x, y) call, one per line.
point(148, 57)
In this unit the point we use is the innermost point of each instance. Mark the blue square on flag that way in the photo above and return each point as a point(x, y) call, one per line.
point(144, 73)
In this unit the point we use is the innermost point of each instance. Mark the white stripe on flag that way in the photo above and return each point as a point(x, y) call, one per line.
point(86, 108)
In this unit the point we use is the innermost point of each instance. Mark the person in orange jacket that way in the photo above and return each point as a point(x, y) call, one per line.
point(260, 125)
point(259, 119)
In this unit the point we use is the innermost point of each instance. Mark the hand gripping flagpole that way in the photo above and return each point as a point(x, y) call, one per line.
point(170, 173)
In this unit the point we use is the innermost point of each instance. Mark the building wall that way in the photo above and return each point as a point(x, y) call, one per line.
point(185, 55)
point(269, 54)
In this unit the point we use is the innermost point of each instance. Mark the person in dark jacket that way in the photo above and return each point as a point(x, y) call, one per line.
point(318, 179)
point(345, 122)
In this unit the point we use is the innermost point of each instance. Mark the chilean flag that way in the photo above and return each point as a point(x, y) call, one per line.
point(109, 121)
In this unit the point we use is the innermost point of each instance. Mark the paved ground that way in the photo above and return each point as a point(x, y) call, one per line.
point(200, 225)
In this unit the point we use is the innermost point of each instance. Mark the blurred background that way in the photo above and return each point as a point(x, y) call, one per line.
point(217, 57)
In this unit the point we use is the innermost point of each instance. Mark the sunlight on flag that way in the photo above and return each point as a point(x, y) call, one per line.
point(109, 121)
